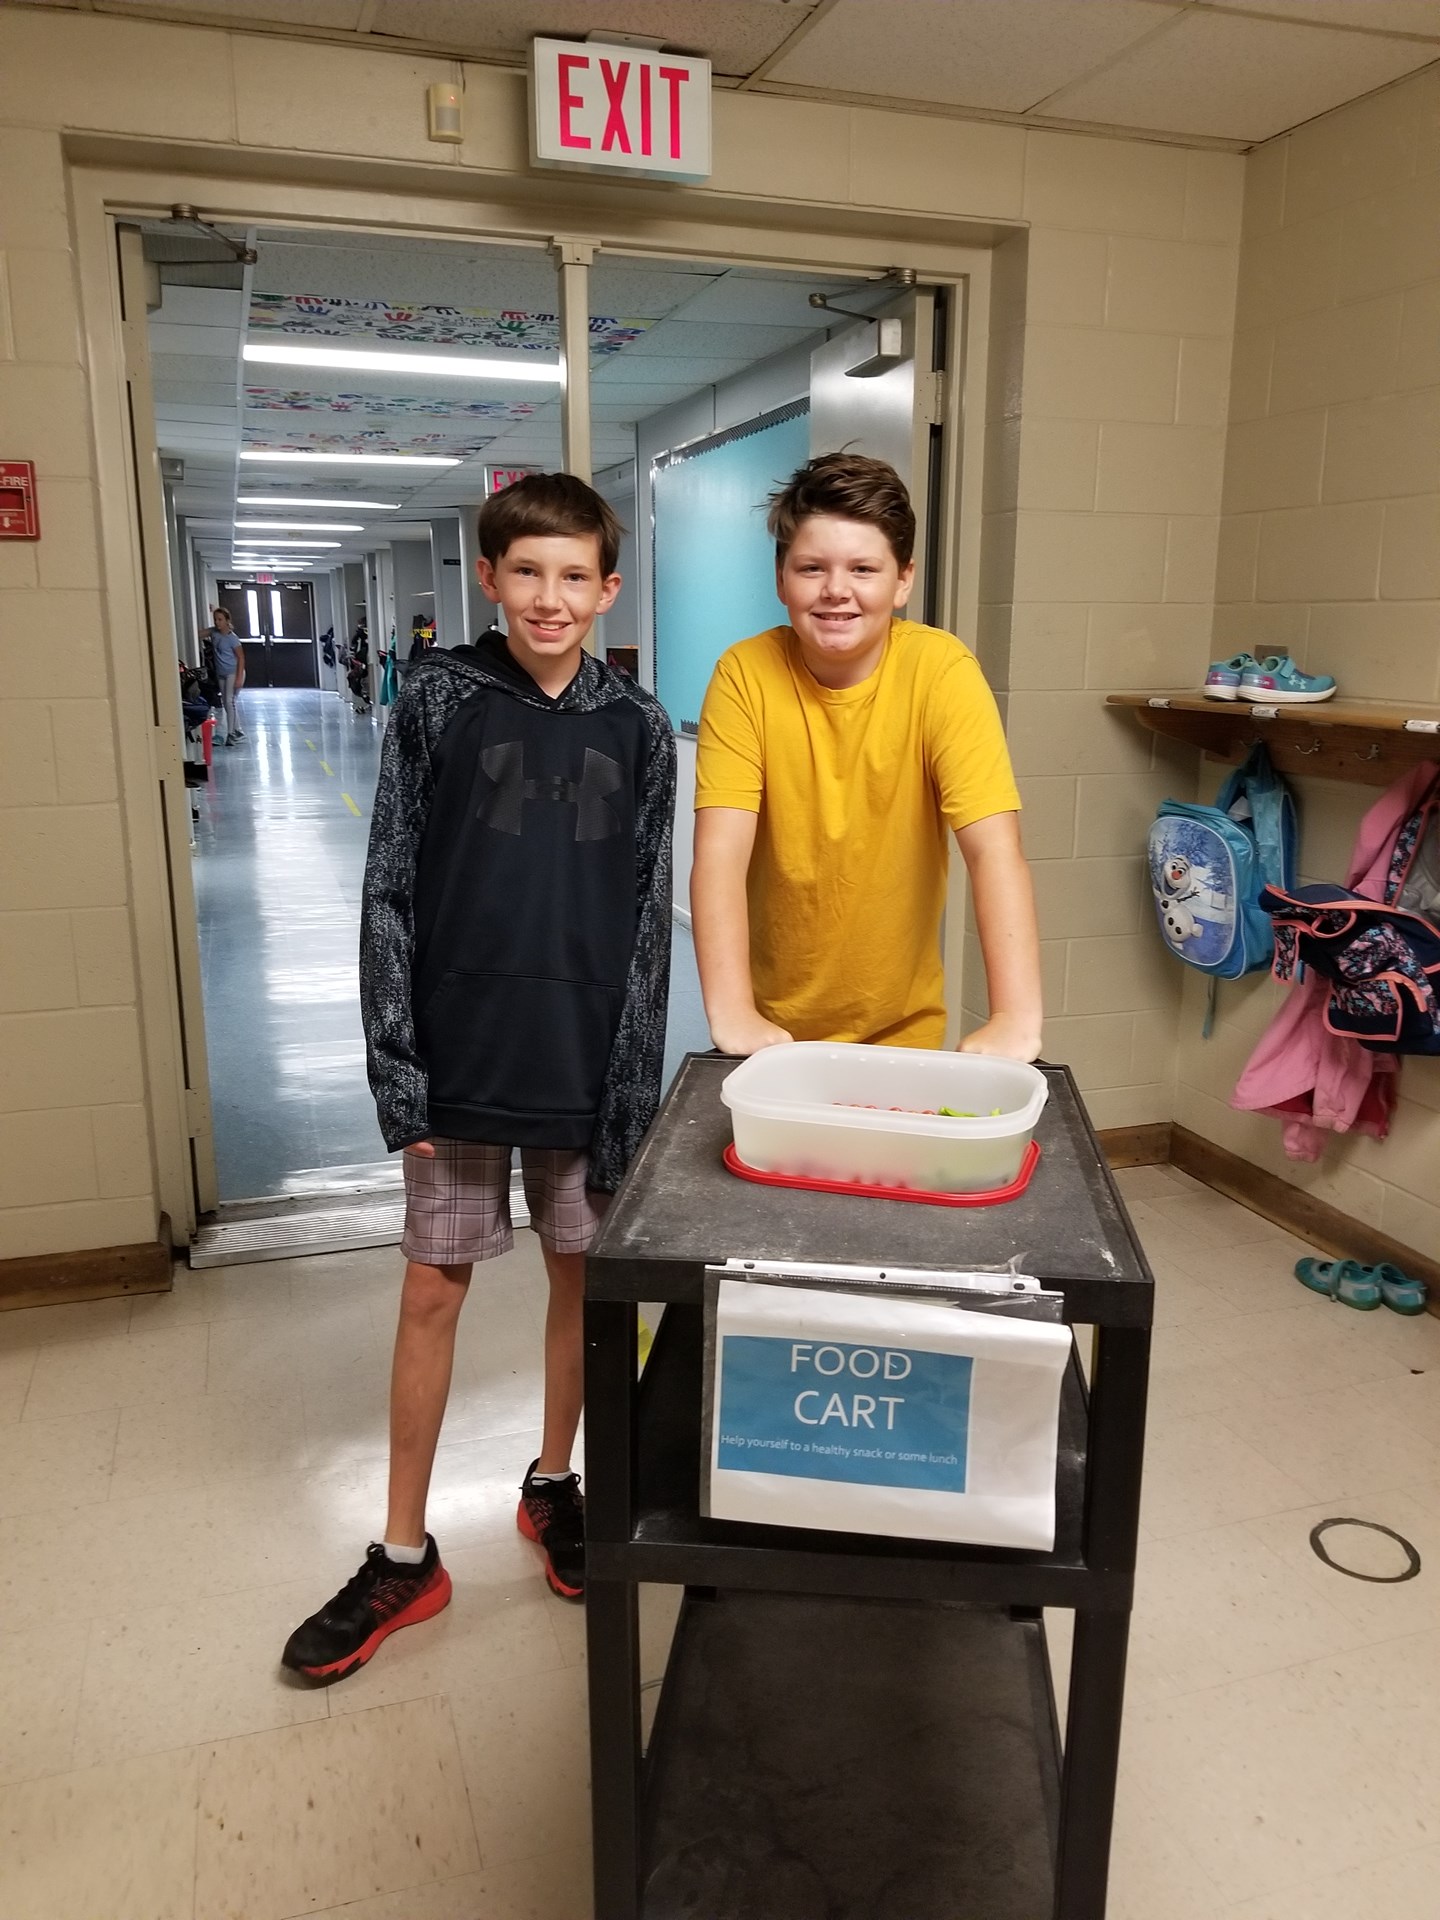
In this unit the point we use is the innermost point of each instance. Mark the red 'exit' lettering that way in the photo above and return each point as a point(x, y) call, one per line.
point(677, 76)
point(615, 78)
point(629, 121)
point(569, 101)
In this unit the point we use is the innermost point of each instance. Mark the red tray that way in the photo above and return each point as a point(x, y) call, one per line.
point(994, 1197)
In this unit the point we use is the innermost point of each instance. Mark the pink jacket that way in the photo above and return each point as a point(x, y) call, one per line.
point(1310, 1078)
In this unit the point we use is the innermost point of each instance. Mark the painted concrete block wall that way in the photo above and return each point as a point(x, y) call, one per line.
point(1098, 566)
point(74, 1161)
point(1109, 374)
point(1330, 540)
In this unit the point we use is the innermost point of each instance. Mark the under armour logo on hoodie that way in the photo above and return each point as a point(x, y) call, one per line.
point(504, 806)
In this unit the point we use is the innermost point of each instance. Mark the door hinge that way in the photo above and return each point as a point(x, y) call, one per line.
point(197, 1111)
point(930, 397)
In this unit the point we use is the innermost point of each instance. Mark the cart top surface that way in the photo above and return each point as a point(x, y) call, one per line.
point(681, 1207)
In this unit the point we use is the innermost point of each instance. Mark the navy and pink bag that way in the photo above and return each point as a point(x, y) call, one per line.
point(1382, 958)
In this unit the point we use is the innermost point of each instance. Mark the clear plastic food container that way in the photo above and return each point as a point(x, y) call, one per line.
point(871, 1115)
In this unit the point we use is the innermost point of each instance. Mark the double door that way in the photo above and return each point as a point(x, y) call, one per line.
point(276, 623)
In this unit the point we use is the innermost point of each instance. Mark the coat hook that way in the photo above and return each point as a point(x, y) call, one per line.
point(1375, 750)
point(1314, 747)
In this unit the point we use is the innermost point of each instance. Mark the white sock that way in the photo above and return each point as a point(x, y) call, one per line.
point(403, 1556)
point(544, 1479)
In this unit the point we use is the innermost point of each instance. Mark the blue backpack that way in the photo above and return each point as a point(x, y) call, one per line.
point(1209, 865)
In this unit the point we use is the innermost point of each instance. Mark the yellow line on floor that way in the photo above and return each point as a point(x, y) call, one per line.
point(311, 744)
point(351, 804)
point(327, 768)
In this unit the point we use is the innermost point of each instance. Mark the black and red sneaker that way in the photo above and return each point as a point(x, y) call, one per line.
point(552, 1514)
point(381, 1597)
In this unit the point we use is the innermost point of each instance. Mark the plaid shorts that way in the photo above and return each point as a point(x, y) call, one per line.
point(457, 1206)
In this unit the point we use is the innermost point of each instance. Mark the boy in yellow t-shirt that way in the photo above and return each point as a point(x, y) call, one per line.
point(836, 753)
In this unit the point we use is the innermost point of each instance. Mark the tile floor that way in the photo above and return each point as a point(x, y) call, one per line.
point(278, 863)
point(182, 1478)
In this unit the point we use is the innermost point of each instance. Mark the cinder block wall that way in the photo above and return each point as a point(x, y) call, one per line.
point(1330, 541)
point(1110, 363)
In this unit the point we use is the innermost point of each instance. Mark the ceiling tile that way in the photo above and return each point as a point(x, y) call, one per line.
point(211, 394)
point(330, 14)
point(714, 339)
point(750, 299)
point(169, 339)
point(194, 369)
point(964, 53)
point(736, 34)
point(639, 290)
point(199, 306)
point(626, 371)
point(406, 274)
point(1237, 78)
point(1394, 16)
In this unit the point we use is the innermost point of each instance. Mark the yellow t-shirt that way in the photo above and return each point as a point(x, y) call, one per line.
point(855, 788)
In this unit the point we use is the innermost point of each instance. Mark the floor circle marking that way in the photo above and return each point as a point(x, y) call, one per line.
point(1317, 1542)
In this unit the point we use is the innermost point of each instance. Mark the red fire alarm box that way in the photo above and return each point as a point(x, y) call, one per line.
point(19, 512)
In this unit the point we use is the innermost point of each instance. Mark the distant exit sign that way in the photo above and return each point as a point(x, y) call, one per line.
point(619, 109)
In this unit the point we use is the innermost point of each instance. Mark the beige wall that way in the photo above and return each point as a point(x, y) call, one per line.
point(1109, 372)
point(1330, 541)
point(1103, 497)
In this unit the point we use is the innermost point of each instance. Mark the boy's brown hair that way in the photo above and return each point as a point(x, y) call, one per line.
point(545, 505)
point(851, 486)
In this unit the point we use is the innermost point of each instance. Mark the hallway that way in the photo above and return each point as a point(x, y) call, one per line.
point(279, 860)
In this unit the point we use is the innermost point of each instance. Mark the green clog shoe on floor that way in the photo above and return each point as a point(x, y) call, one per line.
point(1343, 1280)
point(1398, 1290)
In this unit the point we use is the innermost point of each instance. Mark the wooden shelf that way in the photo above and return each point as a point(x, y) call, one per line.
point(1362, 740)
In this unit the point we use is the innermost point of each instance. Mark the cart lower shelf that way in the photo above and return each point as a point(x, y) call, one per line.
point(816, 1758)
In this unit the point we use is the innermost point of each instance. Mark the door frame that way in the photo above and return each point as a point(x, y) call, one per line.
point(118, 180)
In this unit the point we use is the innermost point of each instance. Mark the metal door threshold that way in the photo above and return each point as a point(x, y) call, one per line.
point(286, 1228)
point(287, 1234)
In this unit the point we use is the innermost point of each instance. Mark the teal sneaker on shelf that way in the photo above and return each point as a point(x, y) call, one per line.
point(1279, 682)
point(1222, 681)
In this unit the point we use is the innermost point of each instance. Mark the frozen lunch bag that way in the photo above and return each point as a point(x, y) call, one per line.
point(1209, 865)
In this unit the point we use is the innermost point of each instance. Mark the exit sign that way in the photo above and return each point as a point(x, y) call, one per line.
point(498, 478)
point(619, 109)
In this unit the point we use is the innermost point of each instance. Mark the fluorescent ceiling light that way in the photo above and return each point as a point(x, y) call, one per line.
point(447, 365)
point(349, 459)
point(291, 500)
point(299, 526)
point(267, 544)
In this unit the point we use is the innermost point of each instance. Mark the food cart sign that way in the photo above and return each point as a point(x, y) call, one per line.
point(919, 1407)
point(619, 109)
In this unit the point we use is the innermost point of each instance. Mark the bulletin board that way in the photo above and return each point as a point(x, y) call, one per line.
point(714, 562)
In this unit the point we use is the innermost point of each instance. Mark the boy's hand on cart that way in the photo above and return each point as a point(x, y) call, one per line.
point(746, 1033)
point(425, 1148)
point(1010, 1036)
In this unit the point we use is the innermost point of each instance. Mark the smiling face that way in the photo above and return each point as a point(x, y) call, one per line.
point(841, 583)
point(551, 589)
